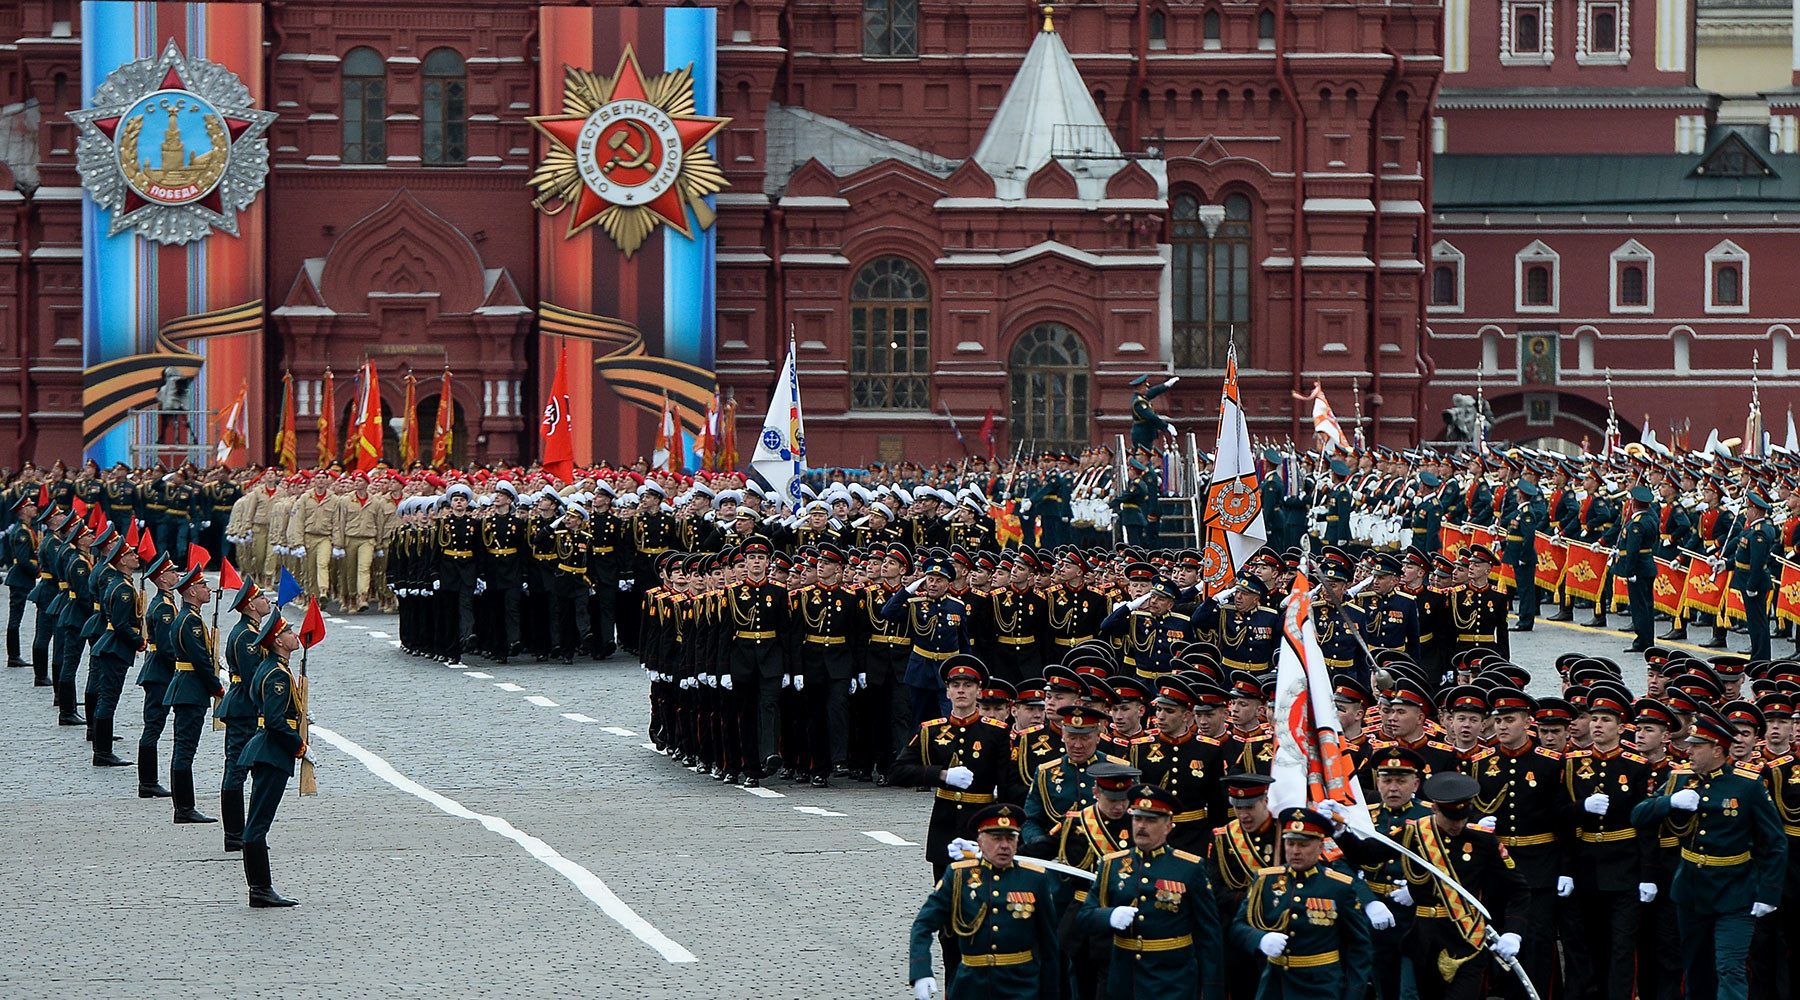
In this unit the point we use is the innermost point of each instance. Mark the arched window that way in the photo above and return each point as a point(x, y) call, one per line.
point(365, 107)
point(1159, 30)
point(1049, 373)
point(1209, 29)
point(446, 109)
point(890, 337)
point(1212, 280)
point(1443, 285)
point(1631, 285)
point(1527, 37)
point(1605, 34)
point(1537, 285)
point(890, 27)
point(1265, 30)
point(1726, 285)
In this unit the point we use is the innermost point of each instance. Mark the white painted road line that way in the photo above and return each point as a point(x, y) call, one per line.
point(336, 621)
point(394, 643)
point(541, 701)
point(589, 884)
point(359, 628)
point(480, 676)
point(578, 717)
point(616, 731)
point(378, 635)
point(506, 685)
point(815, 811)
point(880, 836)
point(764, 793)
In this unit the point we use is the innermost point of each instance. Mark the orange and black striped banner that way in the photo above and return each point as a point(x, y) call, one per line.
point(112, 389)
point(630, 369)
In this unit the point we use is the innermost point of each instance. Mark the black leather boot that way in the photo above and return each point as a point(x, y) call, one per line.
point(256, 873)
point(66, 698)
point(40, 668)
point(231, 811)
point(182, 783)
point(103, 741)
point(87, 703)
point(148, 786)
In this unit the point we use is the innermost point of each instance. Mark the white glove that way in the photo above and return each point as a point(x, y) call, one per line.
point(299, 550)
point(799, 682)
point(1487, 823)
point(853, 685)
point(863, 679)
point(480, 587)
point(1171, 382)
point(1686, 800)
point(1272, 944)
point(435, 584)
point(1380, 917)
point(925, 989)
point(337, 553)
point(1564, 886)
point(959, 777)
point(725, 681)
point(708, 680)
point(380, 552)
point(624, 585)
point(1597, 803)
point(1760, 910)
point(1122, 917)
point(524, 585)
point(205, 524)
point(1507, 946)
point(787, 680)
point(1137, 602)
point(1646, 892)
point(961, 848)
point(1402, 894)
point(913, 587)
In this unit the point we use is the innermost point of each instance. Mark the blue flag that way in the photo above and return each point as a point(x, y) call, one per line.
point(286, 588)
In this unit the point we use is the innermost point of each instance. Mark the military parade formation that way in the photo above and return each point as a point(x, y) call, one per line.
point(1043, 648)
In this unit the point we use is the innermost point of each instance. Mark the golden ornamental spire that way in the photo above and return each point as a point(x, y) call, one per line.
point(1049, 22)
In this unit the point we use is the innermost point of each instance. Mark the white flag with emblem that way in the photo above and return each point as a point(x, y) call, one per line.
point(781, 447)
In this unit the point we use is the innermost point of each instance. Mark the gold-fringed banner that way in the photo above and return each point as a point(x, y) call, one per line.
point(629, 367)
point(112, 389)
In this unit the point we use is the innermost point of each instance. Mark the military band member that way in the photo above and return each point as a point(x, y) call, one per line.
point(270, 755)
point(195, 685)
point(995, 918)
point(1158, 905)
point(1303, 918)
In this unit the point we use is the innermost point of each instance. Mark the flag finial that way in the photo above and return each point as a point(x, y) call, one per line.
point(1049, 18)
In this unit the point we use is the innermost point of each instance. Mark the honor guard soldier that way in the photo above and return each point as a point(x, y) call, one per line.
point(1241, 848)
point(116, 649)
point(1750, 553)
point(505, 549)
point(458, 537)
point(237, 710)
point(1158, 906)
point(1061, 787)
point(1148, 631)
point(1103, 827)
point(1636, 562)
point(1386, 616)
point(831, 642)
point(936, 625)
point(195, 685)
point(270, 755)
point(1304, 919)
point(1613, 867)
point(757, 616)
point(1246, 630)
point(1733, 857)
point(72, 608)
point(609, 558)
point(157, 673)
point(21, 577)
point(1478, 611)
point(963, 756)
point(1074, 609)
point(1012, 619)
point(1520, 785)
point(1397, 771)
point(997, 915)
point(569, 584)
point(1448, 933)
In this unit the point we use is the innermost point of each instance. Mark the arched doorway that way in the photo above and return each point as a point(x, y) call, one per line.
point(1049, 376)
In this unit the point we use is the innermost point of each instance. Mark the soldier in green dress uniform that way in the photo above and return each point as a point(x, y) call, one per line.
point(270, 755)
point(1158, 905)
point(195, 685)
point(1001, 916)
point(1305, 920)
point(1099, 829)
point(157, 672)
point(1062, 786)
point(237, 710)
point(117, 646)
point(1733, 857)
point(1397, 773)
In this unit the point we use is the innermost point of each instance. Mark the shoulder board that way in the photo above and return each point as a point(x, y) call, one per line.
point(1781, 761)
point(1047, 765)
point(1185, 856)
point(1115, 854)
point(1028, 866)
point(933, 722)
point(1275, 870)
point(1021, 734)
point(916, 597)
point(1549, 754)
point(1222, 831)
point(1333, 873)
point(1635, 758)
point(1440, 745)
point(966, 863)
point(1209, 740)
point(1178, 616)
point(996, 722)
point(1484, 754)
point(1116, 759)
point(1680, 769)
point(1573, 754)
point(1748, 770)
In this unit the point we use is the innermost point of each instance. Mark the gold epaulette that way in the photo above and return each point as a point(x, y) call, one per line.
point(1273, 870)
point(1028, 866)
point(996, 722)
point(1549, 754)
point(1483, 755)
point(1115, 854)
point(1752, 771)
point(1340, 876)
point(1634, 758)
point(1574, 754)
point(966, 863)
point(1047, 765)
point(1186, 856)
point(932, 722)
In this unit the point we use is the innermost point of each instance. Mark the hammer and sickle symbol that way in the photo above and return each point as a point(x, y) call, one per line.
point(624, 153)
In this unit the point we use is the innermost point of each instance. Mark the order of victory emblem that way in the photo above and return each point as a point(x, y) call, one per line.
point(173, 147)
point(628, 153)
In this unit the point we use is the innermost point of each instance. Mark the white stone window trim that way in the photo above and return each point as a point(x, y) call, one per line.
point(1727, 252)
point(1509, 12)
point(1619, 56)
point(1538, 252)
point(1632, 252)
point(1442, 252)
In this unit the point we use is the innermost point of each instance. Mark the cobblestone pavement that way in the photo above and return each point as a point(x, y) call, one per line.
point(402, 895)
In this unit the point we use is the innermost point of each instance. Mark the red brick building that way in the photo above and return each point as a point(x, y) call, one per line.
point(950, 206)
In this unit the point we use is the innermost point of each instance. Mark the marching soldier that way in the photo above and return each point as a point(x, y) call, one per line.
point(1305, 920)
point(237, 710)
point(1386, 617)
point(1751, 552)
point(1062, 787)
point(936, 625)
point(1522, 524)
point(609, 559)
point(758, 611)
point(963, 756)
point(195, 685)
point(830, 645)
point(1074, 610)
point(72, 608)
point(121, 609)
point(1478, 611)
point(270, 755)
point(1636, 562)
point(1101, 828)
point(1397, 771)
point(1147, 629)
point(1246, 845)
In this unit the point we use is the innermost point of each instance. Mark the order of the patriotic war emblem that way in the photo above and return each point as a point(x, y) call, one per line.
point(173, 147)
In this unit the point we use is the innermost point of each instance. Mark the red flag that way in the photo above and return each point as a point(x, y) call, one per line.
point(197, 556)
point(987, 432)
point(79, 506)
point(146, 548)
point(558, 427)
point(728, 455)
point(96, 519)
point(409, 430)
point(327, 422)
point(363, 455)
point(228, 576)
point(444, 429)
point(286, 443)
point(131, 533)
point(43, 495)
point(312, 627)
